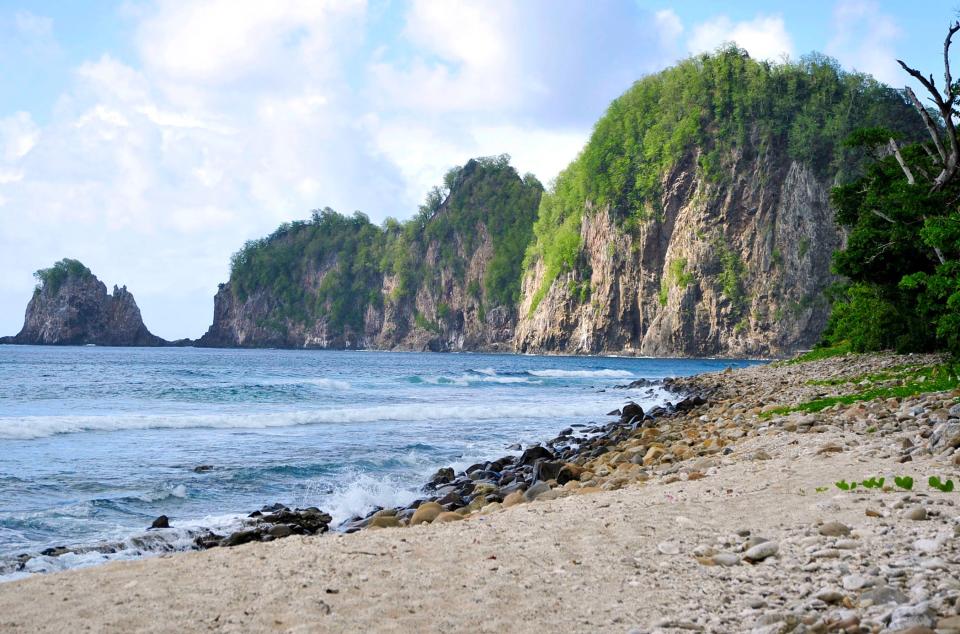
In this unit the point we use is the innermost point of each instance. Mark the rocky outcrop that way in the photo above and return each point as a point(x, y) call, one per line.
point(74, 308)
point(438, 299)
point(733, 267)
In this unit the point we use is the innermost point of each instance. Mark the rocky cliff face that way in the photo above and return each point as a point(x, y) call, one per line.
point(737, 267)
point(432, 284)
point(78, 310)
point(695, 222)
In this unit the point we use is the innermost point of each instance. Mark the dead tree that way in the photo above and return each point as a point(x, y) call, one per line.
point(948, 155)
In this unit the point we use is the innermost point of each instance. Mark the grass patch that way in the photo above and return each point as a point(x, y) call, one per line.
point(896, 372)
point(932, 379)
point(824, 352)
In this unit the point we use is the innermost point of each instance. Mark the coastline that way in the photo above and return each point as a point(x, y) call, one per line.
point(641, 538)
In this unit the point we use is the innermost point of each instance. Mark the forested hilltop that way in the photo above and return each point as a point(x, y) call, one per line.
point(449, 278)
point(696, 221)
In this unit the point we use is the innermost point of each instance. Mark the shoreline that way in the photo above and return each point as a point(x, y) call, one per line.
point(453, 492)
point(652, 534)
point(543, 353)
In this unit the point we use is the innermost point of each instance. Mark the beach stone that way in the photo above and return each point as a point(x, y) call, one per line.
point(547, 470)
point(241, 537)
point(537, 489)
point(384, 521)
point(829, 595)
point(917, 513)
point(442, 476)
point(907, 616)
point(426, 513)
point(161, 522)
point(761, 551)
point(834, 529)
point(531, 455)
point(280, 530)
point(630, 411)
point(855, 582)
point(883, 595)
point(668, 548)
point(448, 516)
point(726, 559)
point(513, 499)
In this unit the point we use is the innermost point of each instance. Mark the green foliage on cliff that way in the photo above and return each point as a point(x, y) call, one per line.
point(333, 266)
point(728, 107)
point(52, 279)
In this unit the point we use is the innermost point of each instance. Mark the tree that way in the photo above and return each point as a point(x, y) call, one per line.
point(901, 258)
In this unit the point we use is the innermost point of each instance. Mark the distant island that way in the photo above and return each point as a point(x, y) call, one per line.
point(70, 306)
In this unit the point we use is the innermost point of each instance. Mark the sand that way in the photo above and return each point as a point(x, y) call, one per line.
point(607, 561)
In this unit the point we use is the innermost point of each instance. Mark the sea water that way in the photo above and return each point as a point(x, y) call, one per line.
point(97, 442)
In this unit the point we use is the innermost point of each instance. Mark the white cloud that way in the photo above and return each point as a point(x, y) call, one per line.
point(236, 115)
point(18, 135)
point(32, 25)
point(864, 38)
point(764, 37)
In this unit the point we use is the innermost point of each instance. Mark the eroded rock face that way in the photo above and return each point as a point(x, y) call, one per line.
point(444, 306)
point(80, 311)
point(734, 268)
point(466, 324)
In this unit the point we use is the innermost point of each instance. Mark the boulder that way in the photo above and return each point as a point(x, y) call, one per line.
point(532, 454)
point(426, 513)
point(161, 522)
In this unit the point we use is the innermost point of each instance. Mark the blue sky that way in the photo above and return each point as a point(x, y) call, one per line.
point(150, 139)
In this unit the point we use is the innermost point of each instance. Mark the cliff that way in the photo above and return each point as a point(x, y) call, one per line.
point(70, 306)
point(448, 279)
point(738, 268)
point(695, 222)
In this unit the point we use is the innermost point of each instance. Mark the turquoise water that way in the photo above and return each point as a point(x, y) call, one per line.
point(97, 442)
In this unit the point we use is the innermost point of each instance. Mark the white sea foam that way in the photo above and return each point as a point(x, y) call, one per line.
point(465, 380)
point(29, 427)
point(361, 492)
point(132, 546)
point(582, 374)
point(326, 384)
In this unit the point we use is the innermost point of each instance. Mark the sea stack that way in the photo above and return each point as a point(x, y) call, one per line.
point(70, 306)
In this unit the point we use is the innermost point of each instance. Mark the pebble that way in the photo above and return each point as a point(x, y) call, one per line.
point(834, 529)
point(761, 551)
point(916, 513)
point(668, 548)
point(855, 582)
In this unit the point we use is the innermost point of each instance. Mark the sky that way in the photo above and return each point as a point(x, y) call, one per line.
point(151, 139)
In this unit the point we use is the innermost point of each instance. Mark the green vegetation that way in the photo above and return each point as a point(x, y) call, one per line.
point(725, 105)
point(931, 379)
point(902, 258)
point(731, 276)
point(821, 352)
point(332, 266)
point(936, 483)
point(904, 482)
point(52, 279)
point(676, 276)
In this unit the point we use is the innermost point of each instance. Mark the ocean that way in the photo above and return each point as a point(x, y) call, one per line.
point(97, 442)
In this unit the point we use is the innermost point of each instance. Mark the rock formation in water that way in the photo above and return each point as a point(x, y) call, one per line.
point(70, 306)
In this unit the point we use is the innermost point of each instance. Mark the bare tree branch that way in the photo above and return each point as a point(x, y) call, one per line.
point(928, 121)
point(884, 216)
point(948, 88)
point(903, 164)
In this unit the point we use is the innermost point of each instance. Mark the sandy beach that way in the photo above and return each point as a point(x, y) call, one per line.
point(721, 519)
